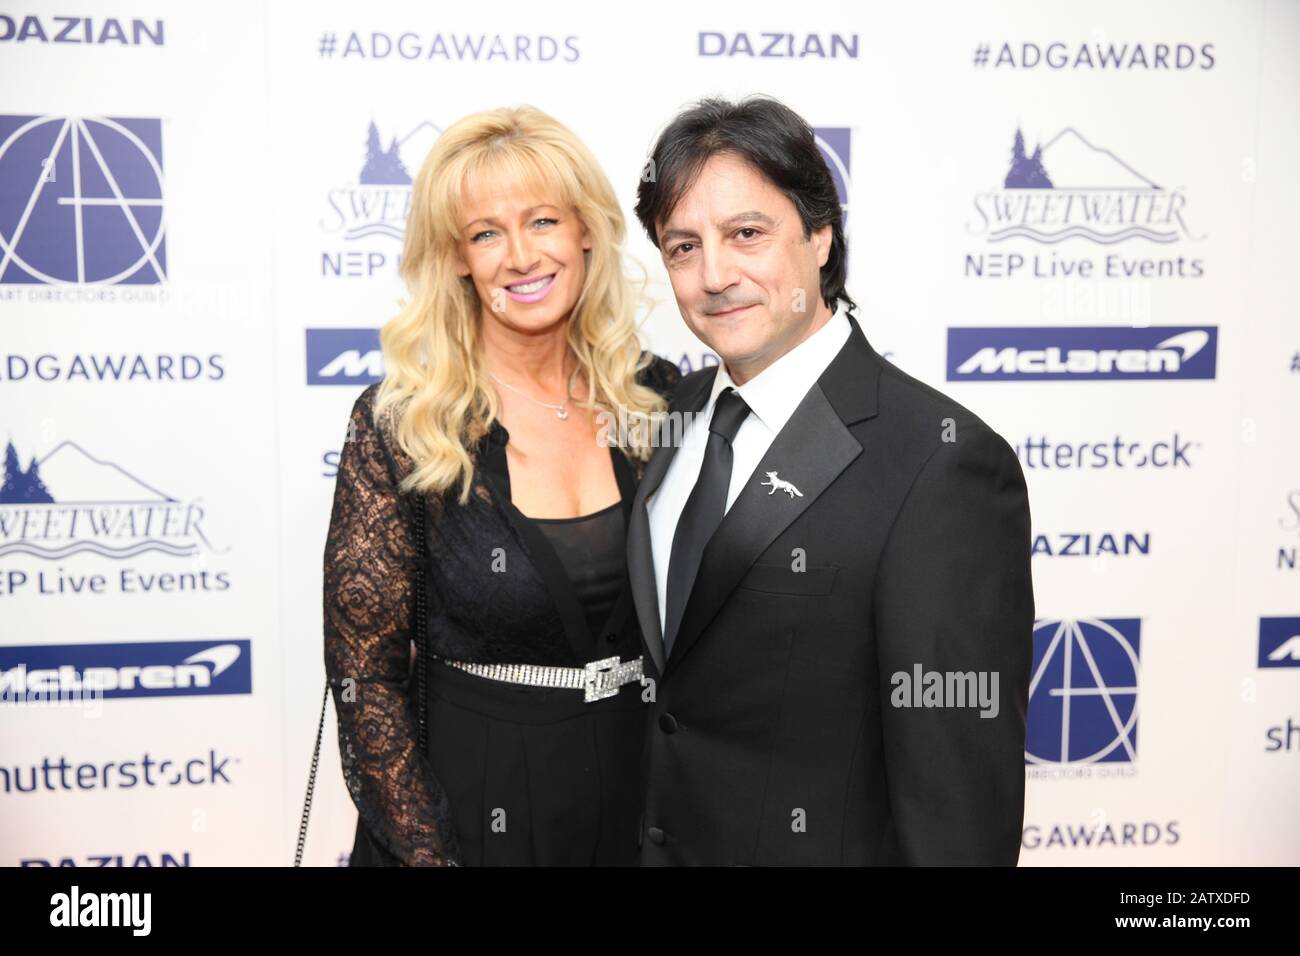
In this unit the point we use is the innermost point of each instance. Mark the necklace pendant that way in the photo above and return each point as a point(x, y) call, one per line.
point(562, 413)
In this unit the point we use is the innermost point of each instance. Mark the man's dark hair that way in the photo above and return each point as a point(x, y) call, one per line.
point(769, 136)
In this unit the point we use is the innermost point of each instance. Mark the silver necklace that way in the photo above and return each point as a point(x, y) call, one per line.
point(561, 410)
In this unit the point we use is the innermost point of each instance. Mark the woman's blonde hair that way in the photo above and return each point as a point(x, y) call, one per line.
point(435, 387)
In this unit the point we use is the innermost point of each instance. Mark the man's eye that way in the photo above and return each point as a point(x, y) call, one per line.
point(683, 247)
point(741, 232)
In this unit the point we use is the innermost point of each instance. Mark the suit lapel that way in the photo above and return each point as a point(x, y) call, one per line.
point(645, 592)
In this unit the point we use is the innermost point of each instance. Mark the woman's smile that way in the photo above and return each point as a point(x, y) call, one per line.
point(531, 290)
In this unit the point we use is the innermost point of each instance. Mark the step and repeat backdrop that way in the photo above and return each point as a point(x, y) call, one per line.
point(1077, 219)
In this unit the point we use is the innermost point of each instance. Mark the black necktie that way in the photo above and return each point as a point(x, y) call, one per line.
point(704, 509)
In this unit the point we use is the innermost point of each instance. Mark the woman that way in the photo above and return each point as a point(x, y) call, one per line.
point(517, 343)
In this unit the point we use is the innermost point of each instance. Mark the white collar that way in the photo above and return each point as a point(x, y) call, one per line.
point(774, 393)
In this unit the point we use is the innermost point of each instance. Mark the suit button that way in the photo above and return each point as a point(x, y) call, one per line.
point(657, 836)
point(611, 637)
point(668, 723)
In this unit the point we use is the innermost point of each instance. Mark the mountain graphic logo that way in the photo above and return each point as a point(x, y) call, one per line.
point(1072, 188)
point(81, 201)
point(378, 203)
point(72, 502)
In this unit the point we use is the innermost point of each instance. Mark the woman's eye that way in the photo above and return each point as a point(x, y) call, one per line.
point(536, 221)
point(480, 235)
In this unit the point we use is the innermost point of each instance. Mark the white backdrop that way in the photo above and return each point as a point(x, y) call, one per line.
point(200, 217)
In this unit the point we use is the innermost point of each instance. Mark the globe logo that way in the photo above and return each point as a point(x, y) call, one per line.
point(1083, 692)
point(81, 201)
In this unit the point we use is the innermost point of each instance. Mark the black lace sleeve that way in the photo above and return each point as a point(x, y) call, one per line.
point(661, 375)
point(370, 561)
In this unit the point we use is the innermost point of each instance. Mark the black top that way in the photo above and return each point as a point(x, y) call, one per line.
point(591, 548)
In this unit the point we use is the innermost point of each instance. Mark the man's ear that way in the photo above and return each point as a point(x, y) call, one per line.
point(821, 240)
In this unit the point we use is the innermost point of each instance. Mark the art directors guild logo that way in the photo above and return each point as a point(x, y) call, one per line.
point(835, 144)
point(70, 506)
point(1069, 194)
point(81, 204)
point(1083, 699)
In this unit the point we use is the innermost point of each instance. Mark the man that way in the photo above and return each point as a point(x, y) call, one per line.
point(832, 570)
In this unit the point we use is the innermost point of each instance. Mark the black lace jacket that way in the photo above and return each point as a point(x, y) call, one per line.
point(474, 614)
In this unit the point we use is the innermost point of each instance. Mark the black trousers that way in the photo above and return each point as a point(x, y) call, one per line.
point(535, 776)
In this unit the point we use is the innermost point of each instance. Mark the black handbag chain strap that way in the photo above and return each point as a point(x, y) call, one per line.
point(419, 628)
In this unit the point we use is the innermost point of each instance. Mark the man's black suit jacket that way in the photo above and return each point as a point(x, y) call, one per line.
point(774, 735)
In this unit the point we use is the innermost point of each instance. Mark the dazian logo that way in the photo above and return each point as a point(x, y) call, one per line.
point(835, 143)
point(374, 207)
point(1083, 692)
point(1081, 353)
point(102, 909)
point(162, 859)
point(81, 201)
point(344, 357)
point(788, 46)
point(1279, 642)
point(71, 502)
point(53, 672)
point(1069, 188)
point(81, 30)
point(1084, 544)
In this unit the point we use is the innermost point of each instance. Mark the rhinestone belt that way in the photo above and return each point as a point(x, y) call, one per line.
point(597, 679)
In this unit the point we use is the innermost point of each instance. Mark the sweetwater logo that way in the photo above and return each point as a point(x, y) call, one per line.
point(1279, 642)
point(835, 143)
point(71, 502)
point(372, 210)
point(1071, 189)
point(1081, 353)
point(344, 357)
point(81, 201)
point(1288, 554)
point(1083, 698)
point(51, 672)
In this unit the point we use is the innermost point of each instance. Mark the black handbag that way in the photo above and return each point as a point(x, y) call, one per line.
point(364, 846)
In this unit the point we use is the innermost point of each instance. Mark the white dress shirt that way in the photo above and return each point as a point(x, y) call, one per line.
point(772, 396)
